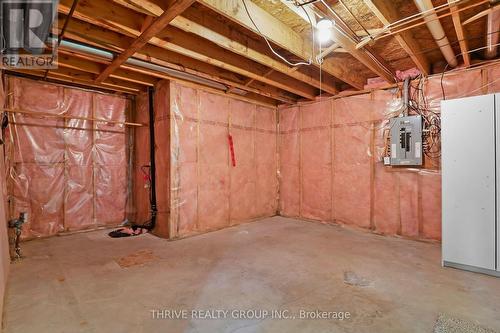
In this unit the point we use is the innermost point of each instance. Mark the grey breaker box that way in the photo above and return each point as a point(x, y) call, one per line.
point(406, 140)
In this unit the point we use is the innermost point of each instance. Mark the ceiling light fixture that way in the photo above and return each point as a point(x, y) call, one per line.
point(324, 30)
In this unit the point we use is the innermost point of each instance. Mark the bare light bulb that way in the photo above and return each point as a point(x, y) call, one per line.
point(324, 30)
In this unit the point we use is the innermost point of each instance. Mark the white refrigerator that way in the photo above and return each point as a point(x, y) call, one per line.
point(470, 148)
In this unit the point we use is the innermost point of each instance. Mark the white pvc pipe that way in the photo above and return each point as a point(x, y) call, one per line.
point(492, 35)
point(437, 31)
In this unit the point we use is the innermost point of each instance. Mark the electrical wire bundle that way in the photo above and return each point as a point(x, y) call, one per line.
point(431, 120)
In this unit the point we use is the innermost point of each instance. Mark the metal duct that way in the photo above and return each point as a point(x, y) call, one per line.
point(437, 30)
point(144, 64)
point(492, 34)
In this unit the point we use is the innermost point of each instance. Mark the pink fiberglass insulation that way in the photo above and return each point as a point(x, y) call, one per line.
point(351, 161)
point(347, 134)
point(184, 114)
point(213, 191)
point(289, 198)
point(110, 159)
point(493, 74)
point(316, 161)
point(68, 174)
point(243, 193)
point(266, 157)
point(208, 193)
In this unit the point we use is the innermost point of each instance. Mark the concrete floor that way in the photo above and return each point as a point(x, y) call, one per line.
point(91, 283)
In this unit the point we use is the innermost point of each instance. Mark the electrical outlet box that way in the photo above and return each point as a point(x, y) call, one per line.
point(406, 140)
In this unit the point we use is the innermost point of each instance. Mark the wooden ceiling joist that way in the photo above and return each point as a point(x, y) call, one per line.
point(66, 60)
point(197, 48)
point(90, 77)
point(462, 40)
point(282, 35)
point(152, 30)
point(112, 41)
point(387, 14)
point(119, 19)
point(85, 79)
point(211, 30)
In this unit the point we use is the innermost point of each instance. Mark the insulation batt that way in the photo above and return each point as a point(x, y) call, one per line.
point(207, 192)
point(67, 174)
point(331, 161)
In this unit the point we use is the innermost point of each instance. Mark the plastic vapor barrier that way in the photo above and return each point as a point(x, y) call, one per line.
point(331, 166)
point(67, 174)
point(212, 187)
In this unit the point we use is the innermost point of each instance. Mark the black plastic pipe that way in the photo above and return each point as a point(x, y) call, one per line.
point(154, 209)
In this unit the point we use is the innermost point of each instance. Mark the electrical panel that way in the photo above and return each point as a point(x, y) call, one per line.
point(406, 140)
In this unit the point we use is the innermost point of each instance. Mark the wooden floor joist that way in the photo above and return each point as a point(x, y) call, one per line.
point(66, 76)
point(241, 47)
point(211, 29)
point(281, 34)
point(112, 41)
point(152, 30)
point(387, 14)
point(67, 61)
point(111, 16)
point(459, 29)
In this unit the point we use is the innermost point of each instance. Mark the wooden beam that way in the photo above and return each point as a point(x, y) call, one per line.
point(64, 75)
point(250, 97)
point(387, 13)
point(216, 32)
point(282, 35)
point(112, 41)
point(112, 16)
point(89, 78)
point(200, 49)
point(69, 60)
point(462, 40)
point(152, 30)
point(131, 5)
point(481, 14)
point(328, 50)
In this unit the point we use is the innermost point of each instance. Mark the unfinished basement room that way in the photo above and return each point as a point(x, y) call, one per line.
point(241, 166)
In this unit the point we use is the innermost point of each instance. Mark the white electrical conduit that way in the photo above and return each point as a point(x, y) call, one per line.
point(492, 34)
point(437, 30)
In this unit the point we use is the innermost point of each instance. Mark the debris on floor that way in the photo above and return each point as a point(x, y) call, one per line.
point(138, 258)
point(447, 324)
point(353, 279)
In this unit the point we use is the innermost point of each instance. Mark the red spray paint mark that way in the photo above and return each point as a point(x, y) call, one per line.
point(231, 149)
